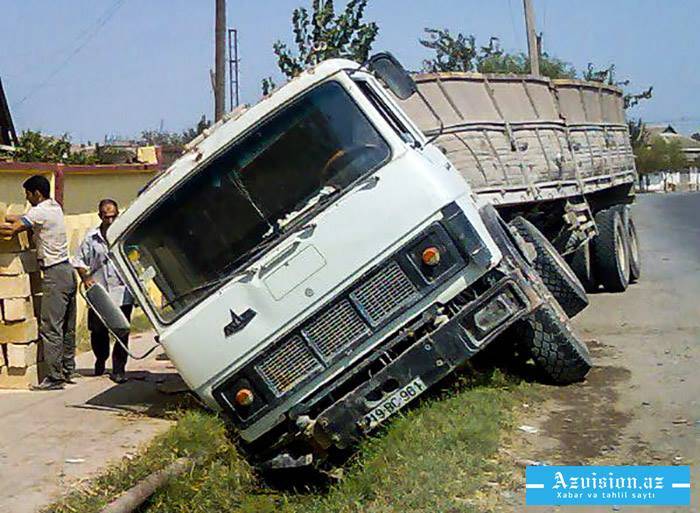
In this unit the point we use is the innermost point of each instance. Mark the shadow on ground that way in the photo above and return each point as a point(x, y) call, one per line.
point(154, 394)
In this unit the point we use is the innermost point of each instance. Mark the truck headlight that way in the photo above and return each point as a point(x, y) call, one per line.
point(244, 397)
point(431, 256)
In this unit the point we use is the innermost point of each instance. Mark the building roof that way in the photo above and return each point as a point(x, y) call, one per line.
point(660, 129)
point(8, 137)
point(668, 133)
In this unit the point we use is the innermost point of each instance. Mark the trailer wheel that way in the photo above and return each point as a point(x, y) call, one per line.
point(553, 269)
point(611, 251)
point(559, 355)
point(581, 264)
point(635, 258)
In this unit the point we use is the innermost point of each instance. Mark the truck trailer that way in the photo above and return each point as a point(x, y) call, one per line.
point(555, 152)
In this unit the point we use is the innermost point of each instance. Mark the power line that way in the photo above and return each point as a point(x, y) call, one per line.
point(512, 22)
point(544, 17)
point(87, 35)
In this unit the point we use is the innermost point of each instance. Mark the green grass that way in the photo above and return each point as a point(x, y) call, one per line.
point(436, 457)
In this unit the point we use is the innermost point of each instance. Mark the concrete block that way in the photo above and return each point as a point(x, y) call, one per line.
point(22, 378)
point(11, 264)
point(19, 242)
point(19, 332)
point(17, 309)
point(15, 286)
point(14, 264)
point(21, 356)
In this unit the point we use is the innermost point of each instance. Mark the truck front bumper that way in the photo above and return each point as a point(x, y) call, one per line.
point(431, 358)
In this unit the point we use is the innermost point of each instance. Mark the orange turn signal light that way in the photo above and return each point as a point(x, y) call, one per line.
point(244, 397)
point(431, 256)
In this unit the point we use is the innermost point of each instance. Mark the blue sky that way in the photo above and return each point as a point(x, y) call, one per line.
point(96, 67)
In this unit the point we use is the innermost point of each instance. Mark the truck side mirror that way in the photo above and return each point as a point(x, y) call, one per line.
point(109, 313)
point(389, 70)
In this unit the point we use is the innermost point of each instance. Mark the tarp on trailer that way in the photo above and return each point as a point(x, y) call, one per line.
point(520, 138)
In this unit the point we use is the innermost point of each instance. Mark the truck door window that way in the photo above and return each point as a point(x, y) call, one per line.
point(386, 113)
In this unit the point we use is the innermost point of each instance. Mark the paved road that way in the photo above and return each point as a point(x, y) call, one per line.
point(51, 440)
point(641, 403)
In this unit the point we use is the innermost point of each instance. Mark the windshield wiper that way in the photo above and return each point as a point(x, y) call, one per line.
point(262, 245)
point(323, 196)
point(206, 285)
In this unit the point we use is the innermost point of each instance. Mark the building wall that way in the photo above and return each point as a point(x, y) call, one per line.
point(83, 190)
point(11, 191)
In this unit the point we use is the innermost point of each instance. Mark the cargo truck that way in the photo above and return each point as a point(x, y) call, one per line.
point(314, 263)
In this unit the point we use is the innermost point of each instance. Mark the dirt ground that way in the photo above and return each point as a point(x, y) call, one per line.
point(641, 401)
point(51, 441)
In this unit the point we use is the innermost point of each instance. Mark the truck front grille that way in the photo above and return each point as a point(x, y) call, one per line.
point(288, 365)
point(335, 329)
point(384, 293)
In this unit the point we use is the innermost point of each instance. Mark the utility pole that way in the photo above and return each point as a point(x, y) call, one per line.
point(533, 49)
point(220, 61)
point(233, 62)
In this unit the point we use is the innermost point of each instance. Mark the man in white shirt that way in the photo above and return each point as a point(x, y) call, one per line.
point(94, 266)
point(57, 318)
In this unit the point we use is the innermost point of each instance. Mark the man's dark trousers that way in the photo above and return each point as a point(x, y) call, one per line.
point(57, 328)
point(99, 339)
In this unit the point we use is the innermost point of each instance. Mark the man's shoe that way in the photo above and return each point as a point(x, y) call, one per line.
point(48, 384)
point(118, 377)
point(99, 368)
point(71, 377)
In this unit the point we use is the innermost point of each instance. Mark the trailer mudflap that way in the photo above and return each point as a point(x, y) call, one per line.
point(425, 363)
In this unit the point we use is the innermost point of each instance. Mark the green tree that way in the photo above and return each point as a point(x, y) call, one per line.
point(323, 34)
point(638, 133)
point(163, 138)
point(660, 155)
point(461, 53)
point(36, 147)
point(607, 76)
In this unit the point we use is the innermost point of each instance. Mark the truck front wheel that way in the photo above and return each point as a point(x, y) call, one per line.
point(553, 269)
point(558, 353)
point(611, 251)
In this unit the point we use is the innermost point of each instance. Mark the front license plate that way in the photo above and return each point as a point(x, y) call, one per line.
point(392, 404)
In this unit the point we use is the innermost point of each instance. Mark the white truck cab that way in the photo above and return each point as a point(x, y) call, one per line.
point(313, 264)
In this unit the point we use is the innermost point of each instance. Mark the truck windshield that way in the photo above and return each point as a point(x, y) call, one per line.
point(241, 200)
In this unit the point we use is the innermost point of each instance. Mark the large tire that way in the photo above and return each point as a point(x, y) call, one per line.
point(558, 353)
point(611, 251)
point(635, 259)
point(553, 269)
point(582, 265)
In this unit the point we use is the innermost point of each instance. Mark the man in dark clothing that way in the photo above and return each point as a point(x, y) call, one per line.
point(94, 266)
